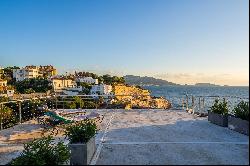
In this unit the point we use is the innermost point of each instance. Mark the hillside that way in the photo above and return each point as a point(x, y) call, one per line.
point(137, 80)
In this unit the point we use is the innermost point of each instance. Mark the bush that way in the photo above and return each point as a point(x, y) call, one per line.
point(81, 132)
point(242, 110)
point(43, 152)
point(219, 107)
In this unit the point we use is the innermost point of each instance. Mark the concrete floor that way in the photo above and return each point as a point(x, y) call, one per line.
point(167, 137)
point(153, 137)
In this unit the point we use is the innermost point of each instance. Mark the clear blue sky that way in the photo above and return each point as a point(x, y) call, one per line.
point(184, 41)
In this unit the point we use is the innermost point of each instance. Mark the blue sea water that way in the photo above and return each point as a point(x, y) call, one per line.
point(176, 94)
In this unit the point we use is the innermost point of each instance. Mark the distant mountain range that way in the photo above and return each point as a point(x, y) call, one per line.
point(146, 81)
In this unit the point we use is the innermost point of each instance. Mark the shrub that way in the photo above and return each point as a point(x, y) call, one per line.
point(242, 110)
point(43, 152)
point(81, 132)
point(219, 107)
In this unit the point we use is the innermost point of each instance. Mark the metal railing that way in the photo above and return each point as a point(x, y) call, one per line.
point(19, 111)
point(201, 104)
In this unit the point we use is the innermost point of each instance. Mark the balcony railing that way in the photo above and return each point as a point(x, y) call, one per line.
point(18, 111)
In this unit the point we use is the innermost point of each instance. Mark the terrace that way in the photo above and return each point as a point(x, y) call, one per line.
point(146, 136)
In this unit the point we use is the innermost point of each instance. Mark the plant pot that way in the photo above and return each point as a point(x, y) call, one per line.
point(239, 125)
point(218, 119)
point(81, 154)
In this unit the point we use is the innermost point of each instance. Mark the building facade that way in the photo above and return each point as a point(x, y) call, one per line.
point(66, 86)
point(61, 83)
point(101, 89)
point(25, 73)
point(47, 71)
point(34, 72)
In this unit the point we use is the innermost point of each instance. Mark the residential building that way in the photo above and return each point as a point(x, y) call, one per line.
point(47, 71)
point(61, 83)
point(65, 86)
point(26, 73)
point(88, 80)
point(33, 72)
point(101, 89)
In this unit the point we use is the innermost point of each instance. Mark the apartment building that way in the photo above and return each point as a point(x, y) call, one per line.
point(34, 72)
point(26, 73)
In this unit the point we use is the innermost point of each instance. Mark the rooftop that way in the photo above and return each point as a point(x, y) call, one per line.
point(148, 137)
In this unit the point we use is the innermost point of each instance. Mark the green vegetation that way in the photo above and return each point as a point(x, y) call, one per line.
point(242, 110)
point(219, 107)
point(107, 79)
point(8, 74)
point(81, 132)
point(33, 85)
point(43, 151)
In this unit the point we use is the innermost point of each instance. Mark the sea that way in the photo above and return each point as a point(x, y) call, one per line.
point(178, 95)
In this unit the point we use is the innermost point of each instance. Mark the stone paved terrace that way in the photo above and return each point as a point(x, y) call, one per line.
point(158, 137)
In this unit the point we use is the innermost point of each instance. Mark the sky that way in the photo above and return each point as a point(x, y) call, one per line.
point(183, 41)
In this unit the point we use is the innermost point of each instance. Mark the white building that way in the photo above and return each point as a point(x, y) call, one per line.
point(25, 73)
point(88, 80)
point(101, 89)
point(66, 86)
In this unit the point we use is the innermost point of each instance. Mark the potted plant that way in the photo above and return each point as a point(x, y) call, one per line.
point(43, 151)
point(218, 113)
point(82, 145)
point(239, 121)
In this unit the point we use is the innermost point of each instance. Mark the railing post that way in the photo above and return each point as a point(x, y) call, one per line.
point(203, 104)
point(182, 103)
point(56, 102)
point(63, 102)
point(1, 114)
point(187, 102)
point(20, 111)
point(199, 108)
point(193, 104)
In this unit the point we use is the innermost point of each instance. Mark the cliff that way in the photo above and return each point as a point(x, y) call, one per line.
point(135, 97)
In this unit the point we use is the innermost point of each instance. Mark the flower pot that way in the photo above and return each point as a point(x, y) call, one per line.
point(239, 125)
point(218, 119)
point(81, 154)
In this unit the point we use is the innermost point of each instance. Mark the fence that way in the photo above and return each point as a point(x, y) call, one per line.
point(202, 103)
point(19, 111)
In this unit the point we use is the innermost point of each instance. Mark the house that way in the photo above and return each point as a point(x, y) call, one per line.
point(65, 86)
point(26, 73)
point(88, 80)
point(101, 89)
